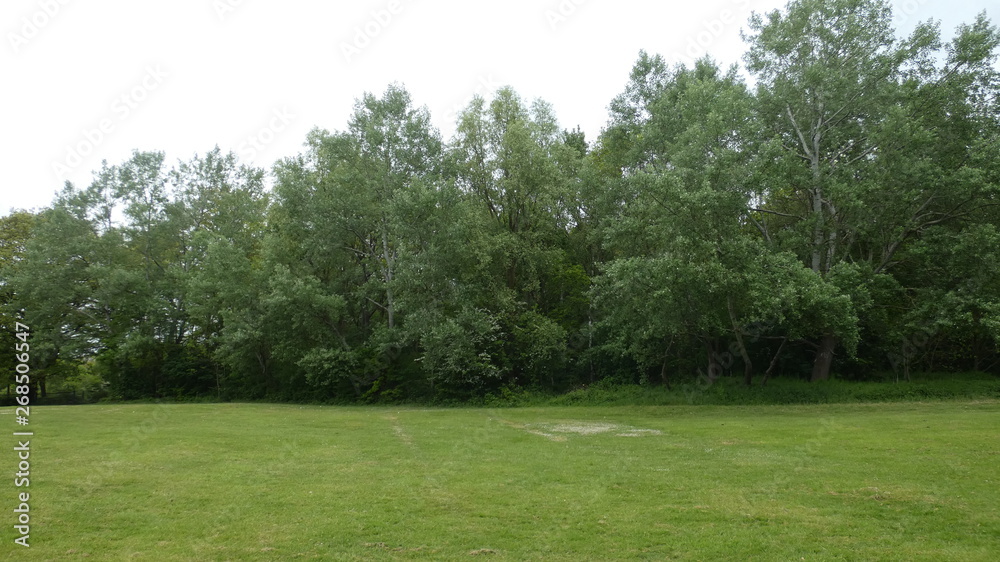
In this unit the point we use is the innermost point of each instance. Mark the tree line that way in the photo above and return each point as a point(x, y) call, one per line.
point(839, 216)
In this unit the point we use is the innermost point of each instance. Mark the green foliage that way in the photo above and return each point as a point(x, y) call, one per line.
point(839, 216)
point(457, 349)
point(15, 232)
point(729, 391)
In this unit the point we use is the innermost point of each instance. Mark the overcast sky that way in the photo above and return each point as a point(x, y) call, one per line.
point(91, 81)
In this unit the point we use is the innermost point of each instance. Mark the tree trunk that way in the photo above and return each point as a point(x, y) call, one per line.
point(664, 374)
point(977, 348)
point(824, 358)
point(590, 341)
point(738, 333)
point(774, 362)
point(390, 263)
point(817, 244)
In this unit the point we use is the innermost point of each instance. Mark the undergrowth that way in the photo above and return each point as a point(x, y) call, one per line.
point(731, 391)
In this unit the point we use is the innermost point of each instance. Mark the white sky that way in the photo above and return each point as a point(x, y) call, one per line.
point(196, 73)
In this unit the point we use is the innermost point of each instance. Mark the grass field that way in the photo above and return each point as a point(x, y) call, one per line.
point(906, 481)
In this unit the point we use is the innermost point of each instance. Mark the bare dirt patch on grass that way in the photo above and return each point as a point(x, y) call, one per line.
point(559, 431)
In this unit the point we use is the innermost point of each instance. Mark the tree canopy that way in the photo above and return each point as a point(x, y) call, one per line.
point(839, 216)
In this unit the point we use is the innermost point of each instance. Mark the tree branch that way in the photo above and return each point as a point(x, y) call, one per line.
point(777, 213)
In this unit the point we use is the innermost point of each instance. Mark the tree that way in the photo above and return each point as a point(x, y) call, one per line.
point(511, 161)
point(109, 272)
point(687, 263)
point(847, 106)
point(342, 210)
point(15, 231)
point(219, 214)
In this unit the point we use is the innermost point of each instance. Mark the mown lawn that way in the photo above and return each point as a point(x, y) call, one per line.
point(906, 481)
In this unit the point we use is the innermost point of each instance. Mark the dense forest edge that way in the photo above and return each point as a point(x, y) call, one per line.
point(824, 227)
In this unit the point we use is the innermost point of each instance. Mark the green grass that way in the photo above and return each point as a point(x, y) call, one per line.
point(904, 481)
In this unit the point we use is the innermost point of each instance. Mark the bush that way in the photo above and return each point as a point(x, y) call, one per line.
point(730, 391)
